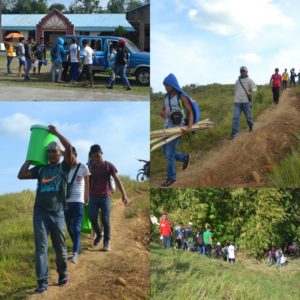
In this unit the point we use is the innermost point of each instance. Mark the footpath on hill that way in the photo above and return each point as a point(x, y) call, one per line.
point(246, 160)
point(122, 273)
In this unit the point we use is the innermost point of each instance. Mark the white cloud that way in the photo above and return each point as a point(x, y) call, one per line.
point(250, 57)
point(17, 125)
point(240, 18)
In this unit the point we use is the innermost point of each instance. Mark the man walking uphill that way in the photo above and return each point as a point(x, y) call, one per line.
point(48, 214)
point(276, 80)
point(244, 87)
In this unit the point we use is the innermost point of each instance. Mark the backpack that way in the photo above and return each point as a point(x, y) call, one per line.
point(195, 109)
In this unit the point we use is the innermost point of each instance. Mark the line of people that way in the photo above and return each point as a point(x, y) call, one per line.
point(186, 238)
point(63, 188)
point(65, 57)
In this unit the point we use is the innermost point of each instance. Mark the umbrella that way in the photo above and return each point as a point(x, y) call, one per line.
point(14, 35)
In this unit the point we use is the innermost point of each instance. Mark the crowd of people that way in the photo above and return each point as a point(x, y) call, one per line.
point(65, 57)
point(63, 188)
point(185, 238)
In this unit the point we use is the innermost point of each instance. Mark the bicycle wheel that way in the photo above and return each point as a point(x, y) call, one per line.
point(141, 177)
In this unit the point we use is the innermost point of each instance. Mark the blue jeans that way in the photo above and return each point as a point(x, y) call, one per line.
point(171, 155)
point(120, 70)
point(9, 61)
point(202, 250)
point(246, 108)
point(73, 216)
point(167, 241)
point(43, 224)
point(102, 203)
point(28, 68)
point(74, 71)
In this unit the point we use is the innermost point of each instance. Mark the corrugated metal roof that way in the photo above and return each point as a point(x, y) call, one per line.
point(81, 21)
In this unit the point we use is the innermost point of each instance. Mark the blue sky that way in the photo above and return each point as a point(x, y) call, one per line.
point(121, 129)
point(205, 42)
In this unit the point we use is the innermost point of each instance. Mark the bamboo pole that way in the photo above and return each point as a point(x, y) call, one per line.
point(166, 141)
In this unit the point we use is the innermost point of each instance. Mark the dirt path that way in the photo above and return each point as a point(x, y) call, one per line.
point(246, 160)
point(99, 275)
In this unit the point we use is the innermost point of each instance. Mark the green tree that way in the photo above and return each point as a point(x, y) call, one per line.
point(85, 6)
point(59, 6)
point(30, 7)
point(121, 31)
point(132, 4)
point(116, 6)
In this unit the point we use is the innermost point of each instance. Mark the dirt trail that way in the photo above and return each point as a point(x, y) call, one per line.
point(97, 275)
point(247, 160)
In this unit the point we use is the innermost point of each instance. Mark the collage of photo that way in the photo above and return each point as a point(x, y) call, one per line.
point(120, 185)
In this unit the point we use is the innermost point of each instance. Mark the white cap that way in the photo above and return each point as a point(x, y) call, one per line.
point(190, 224)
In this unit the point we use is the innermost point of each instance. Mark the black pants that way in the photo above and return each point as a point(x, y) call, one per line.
point(284, 84)
point(65, 72)
point(208, 249)
point(275, 91)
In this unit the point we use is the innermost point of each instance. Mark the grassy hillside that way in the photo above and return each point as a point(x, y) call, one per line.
point(181, 275)
point(216, 103)
point(17, 268)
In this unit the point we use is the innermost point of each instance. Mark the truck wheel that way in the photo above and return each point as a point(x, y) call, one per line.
point(143, 76)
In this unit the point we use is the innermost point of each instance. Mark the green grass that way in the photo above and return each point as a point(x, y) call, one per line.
point(44, 80)
point(17, 267)
point(181, 275)
point(216, 103)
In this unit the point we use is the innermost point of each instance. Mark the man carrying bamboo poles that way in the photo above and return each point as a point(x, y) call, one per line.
point(177, 112)
point(244, 87)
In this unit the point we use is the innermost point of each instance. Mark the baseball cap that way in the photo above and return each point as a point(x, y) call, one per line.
point(243, 68)
point(54, 146)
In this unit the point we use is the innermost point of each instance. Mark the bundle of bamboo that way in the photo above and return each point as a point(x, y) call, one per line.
point(162, 137)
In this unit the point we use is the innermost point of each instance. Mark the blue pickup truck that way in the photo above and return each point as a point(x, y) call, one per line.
point(139, 61)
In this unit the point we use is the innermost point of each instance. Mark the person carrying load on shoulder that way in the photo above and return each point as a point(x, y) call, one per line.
point(179, 110)
point(244, 87)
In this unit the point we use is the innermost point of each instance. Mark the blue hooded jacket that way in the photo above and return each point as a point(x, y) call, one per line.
point(172, 81)
point(58, 51)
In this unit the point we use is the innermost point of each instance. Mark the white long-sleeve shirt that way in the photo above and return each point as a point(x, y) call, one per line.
point(239, 93)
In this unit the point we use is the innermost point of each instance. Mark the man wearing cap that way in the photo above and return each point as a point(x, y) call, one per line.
point(48, 215)
point(100, 193)
point(121, 62)
point(244, 87)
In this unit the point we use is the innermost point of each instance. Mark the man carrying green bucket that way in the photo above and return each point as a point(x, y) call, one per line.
point(48, 216)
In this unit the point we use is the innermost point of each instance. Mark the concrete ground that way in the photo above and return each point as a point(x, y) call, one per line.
point(13, 93)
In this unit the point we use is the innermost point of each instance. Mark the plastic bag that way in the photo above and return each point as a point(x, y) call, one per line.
point(86, 226)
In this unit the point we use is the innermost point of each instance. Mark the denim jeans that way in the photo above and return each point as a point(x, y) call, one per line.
point(9, 61)
point(208, 249)
point(167, 241)
point(201, 250)
point(74, 71)
point(28, 68)
point(276, 93)
point(43, 224)
point(73, 216)
point(120, 70)
point(246, 108)
point(53, 70)
point(103, 204)
point(171, 155)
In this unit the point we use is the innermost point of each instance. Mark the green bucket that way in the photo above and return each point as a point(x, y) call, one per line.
point(39, 140)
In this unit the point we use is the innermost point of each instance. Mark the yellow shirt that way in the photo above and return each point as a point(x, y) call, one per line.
point(285, 76)
point(10, 50)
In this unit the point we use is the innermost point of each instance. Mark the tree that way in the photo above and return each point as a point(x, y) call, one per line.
point(132, 4)
point(116, 6)
point(121, 31)
point(59, 6)
point(85, 6)
point(25, 7)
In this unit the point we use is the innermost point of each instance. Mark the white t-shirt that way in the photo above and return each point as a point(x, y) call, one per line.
point(77, 192)
point(74, 48)
point(88, 55)
point(231, 250)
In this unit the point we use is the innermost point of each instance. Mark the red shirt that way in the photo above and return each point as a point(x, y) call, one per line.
point(276, 80)
point(164, 228)
point(100, 179)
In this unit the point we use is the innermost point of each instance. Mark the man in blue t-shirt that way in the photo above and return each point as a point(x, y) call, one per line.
point(48, 215)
